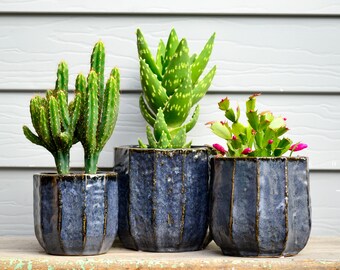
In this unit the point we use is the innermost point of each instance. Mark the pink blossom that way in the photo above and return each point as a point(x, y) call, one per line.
point(298, 147)
point(270, 141)
point(219, 148)
point(284, 119)
point(247, 151)
point(234, 137)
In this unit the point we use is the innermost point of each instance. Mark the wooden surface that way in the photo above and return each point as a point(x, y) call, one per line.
point(25, 253)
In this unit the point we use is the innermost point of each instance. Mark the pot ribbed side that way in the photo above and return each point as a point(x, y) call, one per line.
point(75, 214)
point(260, 206)
point(163, 198)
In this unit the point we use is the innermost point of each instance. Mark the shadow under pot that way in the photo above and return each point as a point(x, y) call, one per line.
point(76, 214)
point(260, 206)
point(163, 198)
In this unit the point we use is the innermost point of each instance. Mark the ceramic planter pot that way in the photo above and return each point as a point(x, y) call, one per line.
point(163, 198)
point(76, 214)
point(260, 206)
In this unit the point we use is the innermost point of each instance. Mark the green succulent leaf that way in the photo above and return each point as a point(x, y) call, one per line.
point(202, 87)
point(199, 65)
point(253, 119)
point(171, 47)
point(189, 126)
point(151, 137)
point(144, 53)
point(160, 55)
point(63, 107)
point(164, 141)
point(31, 136)
point(221, 130)
point(154, 93)
point(177, 69)
point(147, 114)
point(179, 104)
point(62, 77)
point(277, 123)
point(141, 144)
point(179, 139)
point(54, 119)
point(160, 126)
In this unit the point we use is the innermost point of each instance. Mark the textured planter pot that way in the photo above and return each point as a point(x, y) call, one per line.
point(260, 206)
point(76, 214)
point(163, 198)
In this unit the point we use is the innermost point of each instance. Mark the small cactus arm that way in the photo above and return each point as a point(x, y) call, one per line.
point(171, 86)
point(54, 120)
point(99, 107)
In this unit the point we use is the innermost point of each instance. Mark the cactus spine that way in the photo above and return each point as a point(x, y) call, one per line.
point(54, 120)
point(171, 87)
point(99, 107)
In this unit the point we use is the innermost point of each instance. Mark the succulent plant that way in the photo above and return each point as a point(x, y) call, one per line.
point(262, 137)
point(171, 86)
point(54, 120)
point(99, 107)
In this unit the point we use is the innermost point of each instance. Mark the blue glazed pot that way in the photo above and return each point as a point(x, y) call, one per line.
point(163, 198)
point(260, 206)
point(76, 214)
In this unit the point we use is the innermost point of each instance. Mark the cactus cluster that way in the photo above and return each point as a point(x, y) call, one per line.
point(99, 107)
point(54, 120)
point(171, 86)
point(90, 118)
point(260, 138)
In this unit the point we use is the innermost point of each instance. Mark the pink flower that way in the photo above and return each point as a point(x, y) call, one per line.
point(298, 147)
point(234, 137)
point(284, 119)
point(219, 148)
point(247, 151)
point(270, 141)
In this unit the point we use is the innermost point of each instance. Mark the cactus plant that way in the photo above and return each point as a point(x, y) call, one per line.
point(54, 120)
point(171, 87)
point(99, 107)
point(260, 138)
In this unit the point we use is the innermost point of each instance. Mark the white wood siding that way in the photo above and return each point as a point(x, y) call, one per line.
point(289, 50)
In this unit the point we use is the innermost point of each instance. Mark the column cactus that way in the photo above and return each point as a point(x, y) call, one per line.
point(171, 86)
point(99, 107)
point(54, 120)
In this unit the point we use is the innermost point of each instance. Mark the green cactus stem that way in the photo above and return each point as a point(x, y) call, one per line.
point(54, 120)
point(99, 108)
point(171, 86)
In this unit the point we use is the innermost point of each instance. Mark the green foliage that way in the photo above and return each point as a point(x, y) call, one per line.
point(99, 107)
point(54, 120)
point(171, 87)
point(90, 118)
point(260, 138)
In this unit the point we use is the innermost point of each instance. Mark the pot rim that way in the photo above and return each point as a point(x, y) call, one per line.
point(261, 158)
point(136, 148)
point(75, 174)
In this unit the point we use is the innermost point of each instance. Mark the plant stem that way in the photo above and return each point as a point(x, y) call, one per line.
point(91, 160)
point(62, 160)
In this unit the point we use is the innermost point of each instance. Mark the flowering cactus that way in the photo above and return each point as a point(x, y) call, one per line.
point(171, 87)
point(99, 107)
point(260, 138)
point(54, 120)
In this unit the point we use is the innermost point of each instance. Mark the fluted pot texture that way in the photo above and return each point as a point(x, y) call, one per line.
point(76, 214)
point(260, 206)
point(163, 197)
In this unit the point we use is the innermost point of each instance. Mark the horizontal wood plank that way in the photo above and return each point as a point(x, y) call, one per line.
point(230, 7)
point(251, 53)
point(312, 119)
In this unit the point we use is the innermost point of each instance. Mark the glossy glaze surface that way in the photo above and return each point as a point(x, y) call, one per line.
point(76, 214)
point(163, 198)
point(260, 206)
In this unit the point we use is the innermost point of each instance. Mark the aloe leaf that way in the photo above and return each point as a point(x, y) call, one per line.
point(144, 53)
point(147, 114)
point(160, 126)
point(171, 47)
point(179, 139)
point(201, 61)
point(202, 87)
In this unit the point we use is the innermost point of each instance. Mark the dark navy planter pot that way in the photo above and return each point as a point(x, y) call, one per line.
point(163, 198)
point(260, 206)
point(76, 214)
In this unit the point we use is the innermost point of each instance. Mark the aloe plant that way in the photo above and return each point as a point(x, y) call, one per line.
point(171, 86)
point(54, 120)
point(99, 107)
